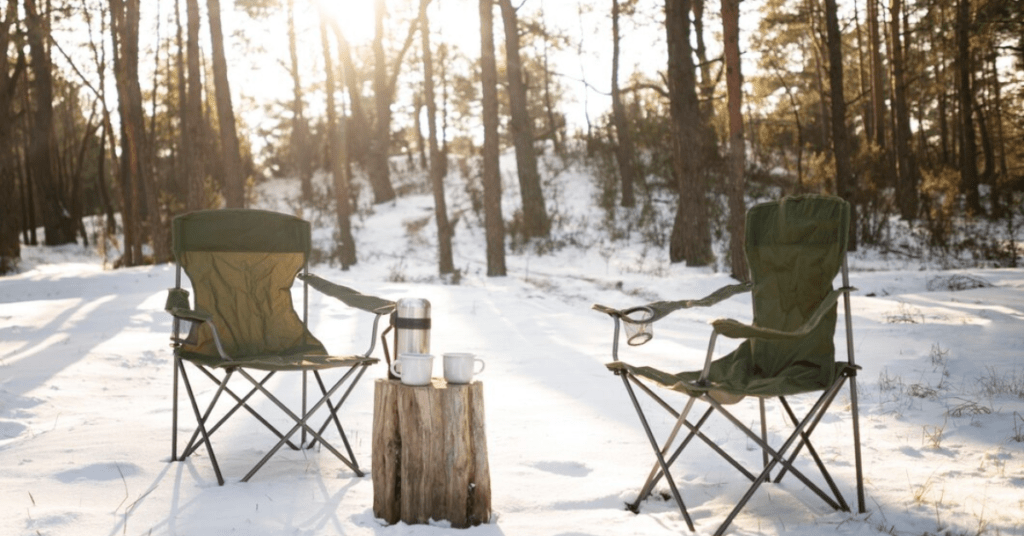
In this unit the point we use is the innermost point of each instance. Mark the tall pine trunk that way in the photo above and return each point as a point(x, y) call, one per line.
point(444, 228)
point(737, 145)
point(380, 145)
point(301, 153)
point(42, 156)
point(233, 179)
point(125, 32)
point(969, 180)
point(337, 156)
point(10, 246)
point(194, 146)
point(624, 151)
point(493, 222)
point(691, 236)
point(840, 133)
point(908, 175)
point(535, 215)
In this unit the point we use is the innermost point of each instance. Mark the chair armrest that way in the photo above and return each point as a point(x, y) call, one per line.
point(661, 309)
point(177, 306)
point(348, 296)
point(735, 329)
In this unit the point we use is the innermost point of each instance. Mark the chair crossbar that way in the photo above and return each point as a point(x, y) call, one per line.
point(240, 402)
point(806, 440)
point(777, 457)
point(694, 428)
point(300, 422)
point(333, 414)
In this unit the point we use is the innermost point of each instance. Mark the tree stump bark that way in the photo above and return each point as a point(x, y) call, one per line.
point(430, 454)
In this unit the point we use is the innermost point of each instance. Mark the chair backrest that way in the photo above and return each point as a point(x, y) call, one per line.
point(795, 248)
point(242, 264)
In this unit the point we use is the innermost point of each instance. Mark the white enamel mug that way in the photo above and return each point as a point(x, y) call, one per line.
point(461, 367)
point(413, 369)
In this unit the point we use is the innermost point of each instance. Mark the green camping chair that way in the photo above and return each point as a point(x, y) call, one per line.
point(242, 265)
point(795, 248)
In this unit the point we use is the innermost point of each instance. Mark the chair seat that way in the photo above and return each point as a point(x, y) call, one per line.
point(279, 362)
point(737, 386)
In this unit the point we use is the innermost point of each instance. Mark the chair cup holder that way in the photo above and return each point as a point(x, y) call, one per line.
point(639, 328)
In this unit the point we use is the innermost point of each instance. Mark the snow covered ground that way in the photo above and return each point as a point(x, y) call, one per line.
point(85, 394)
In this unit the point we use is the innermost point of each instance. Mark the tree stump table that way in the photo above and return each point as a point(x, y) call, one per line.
point(430, 453)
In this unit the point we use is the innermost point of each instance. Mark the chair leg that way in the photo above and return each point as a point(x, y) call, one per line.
point(655, 474)
point(861, 508)
point(764, 432)
point(201, 424)
point(174, 412)
point(657, 452)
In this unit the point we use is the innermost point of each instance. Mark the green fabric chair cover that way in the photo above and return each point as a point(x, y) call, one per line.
point(795, 249)
point(242, 264)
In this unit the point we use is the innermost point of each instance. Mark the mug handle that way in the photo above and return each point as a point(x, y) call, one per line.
point(394, 368)
point(482, 366)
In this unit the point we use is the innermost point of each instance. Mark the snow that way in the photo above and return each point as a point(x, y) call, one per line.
point(85, 393)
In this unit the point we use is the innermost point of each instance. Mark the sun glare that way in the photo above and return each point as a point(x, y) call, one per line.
point(457, 21)
point(355, 17)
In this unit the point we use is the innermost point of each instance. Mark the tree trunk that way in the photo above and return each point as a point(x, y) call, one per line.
point(535, 215)
point(430, 454)
point(10, 246)
point(444, 228)
point(493, 222)
point(234, 181)
point(337, 156)
point(133, 171)
point(908, 175)
point(624, 151)
point(55, 207)
point(877, 131)
point(840, 133)
point(380, 144)
point(737, 145)
point(194, 143)
point(357, 145)
point(691, 236)
point(965, 87)
point(300, 128)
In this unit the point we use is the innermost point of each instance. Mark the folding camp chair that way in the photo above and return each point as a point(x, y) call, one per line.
point(242, 265)
point(795, 248)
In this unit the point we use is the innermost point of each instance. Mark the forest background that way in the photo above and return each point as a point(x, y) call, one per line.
point(137, 112)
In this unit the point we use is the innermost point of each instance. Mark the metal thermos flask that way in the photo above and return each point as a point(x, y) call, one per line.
point(412, 326)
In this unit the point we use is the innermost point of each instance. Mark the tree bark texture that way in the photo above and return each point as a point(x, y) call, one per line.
point(691, 236)
point(535, 215)
point(430, 454)
point(233, 179)
point(10, 246)
point(444, 229)
point(125, 26)
point(55, 204)
point(737, 144)
point(840, 133)
point(493, 221)
point(194, 164)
